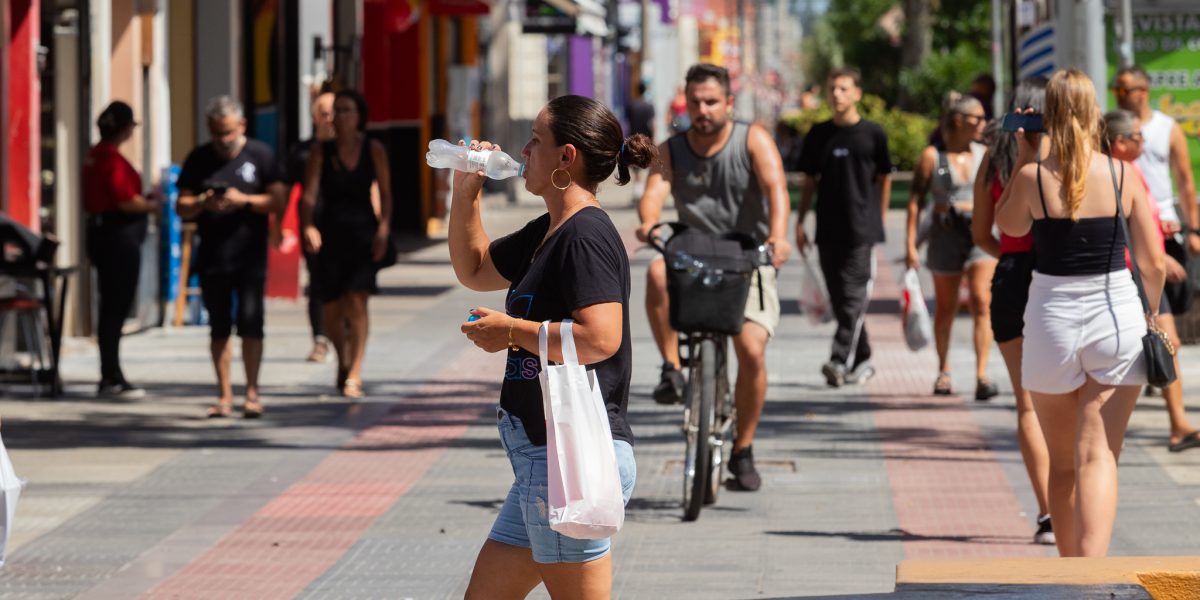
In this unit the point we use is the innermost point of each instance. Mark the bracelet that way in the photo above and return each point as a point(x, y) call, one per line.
point(512, 345)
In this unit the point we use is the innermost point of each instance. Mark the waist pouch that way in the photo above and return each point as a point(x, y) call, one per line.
point(708, 282)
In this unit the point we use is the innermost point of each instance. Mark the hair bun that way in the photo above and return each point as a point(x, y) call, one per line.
point(638, 151)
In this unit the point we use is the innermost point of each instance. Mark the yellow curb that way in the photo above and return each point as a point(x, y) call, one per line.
point(1054, 571)
point(1171, 585)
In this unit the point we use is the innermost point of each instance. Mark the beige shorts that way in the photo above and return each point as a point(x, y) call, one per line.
point(766, 312)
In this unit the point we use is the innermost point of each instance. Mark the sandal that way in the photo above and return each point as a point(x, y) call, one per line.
point(352, 389)
point(1191, 440)
point(252, 409)
point(220, 410)
point(985, 390)
point(942, 385)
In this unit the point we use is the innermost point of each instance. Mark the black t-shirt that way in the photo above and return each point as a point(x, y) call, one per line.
point(847, 160)
point(641, 117)
point(235, 239)
point(581, 264)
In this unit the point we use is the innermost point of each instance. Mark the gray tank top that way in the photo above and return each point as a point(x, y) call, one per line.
point(719, 194)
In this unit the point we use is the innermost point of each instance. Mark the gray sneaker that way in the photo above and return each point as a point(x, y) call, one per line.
point(861, 373)
point(120, 391)
point(835, 373)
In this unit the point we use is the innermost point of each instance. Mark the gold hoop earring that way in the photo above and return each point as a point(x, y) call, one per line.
point(555, 184)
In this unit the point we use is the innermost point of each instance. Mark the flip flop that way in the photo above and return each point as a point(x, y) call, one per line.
point(219, 410)
point(1191, 440)
point(252, 409)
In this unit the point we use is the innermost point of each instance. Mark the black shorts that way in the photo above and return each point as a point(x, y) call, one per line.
point(240, 291)
point(1010, 294)
point(1177, 297)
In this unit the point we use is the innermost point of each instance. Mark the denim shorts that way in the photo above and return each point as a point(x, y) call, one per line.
point(523, 520)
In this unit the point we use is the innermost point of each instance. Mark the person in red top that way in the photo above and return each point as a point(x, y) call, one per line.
point(1010, 293)
point(117, 218)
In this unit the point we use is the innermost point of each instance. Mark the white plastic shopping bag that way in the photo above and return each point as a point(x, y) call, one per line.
point(814, 299)
point(584, 483)
point(917, 329)
point(10, 491)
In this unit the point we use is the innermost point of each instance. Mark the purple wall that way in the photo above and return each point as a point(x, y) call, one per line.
point(580, 76)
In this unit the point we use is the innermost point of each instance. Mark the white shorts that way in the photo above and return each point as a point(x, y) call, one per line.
point(1082, 326)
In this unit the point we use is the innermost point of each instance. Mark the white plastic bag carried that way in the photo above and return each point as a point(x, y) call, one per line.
point(584, 482)
point(814, 299)
point(917, 329)
point(10, 491)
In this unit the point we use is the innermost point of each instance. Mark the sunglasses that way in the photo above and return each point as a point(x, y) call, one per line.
point(1135, 137)
point(1122, 92)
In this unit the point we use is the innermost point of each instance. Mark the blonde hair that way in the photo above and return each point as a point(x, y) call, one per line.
point(1073, 123)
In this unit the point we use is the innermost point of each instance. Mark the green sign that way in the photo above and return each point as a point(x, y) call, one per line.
point(1167, 45)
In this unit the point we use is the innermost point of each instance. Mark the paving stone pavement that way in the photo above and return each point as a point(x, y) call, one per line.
point(392, 497)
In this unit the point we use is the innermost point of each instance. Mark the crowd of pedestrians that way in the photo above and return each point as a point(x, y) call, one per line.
point(1030, 221)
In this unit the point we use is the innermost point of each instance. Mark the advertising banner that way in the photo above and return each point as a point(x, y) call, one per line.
point(1167, 45)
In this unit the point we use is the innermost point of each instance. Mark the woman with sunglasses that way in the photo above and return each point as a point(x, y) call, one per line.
point(1124, 140)
point(949, 175)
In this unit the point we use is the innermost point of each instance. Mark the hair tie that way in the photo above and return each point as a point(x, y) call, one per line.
point(621, 151)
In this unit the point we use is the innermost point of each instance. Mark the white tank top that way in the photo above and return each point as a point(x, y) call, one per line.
point(1155, 162)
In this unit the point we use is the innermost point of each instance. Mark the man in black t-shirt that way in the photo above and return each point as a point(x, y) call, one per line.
point(293, 174)
point(640, 114)
point(847, 163)
point(229, 186)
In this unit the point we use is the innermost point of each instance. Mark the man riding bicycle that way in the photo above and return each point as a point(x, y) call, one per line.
point(726, 177)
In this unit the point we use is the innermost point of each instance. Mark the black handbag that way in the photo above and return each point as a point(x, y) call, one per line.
point(1157, 348)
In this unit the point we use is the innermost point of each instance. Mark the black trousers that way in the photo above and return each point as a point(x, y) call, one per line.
point(114, 246)
point(849, 273)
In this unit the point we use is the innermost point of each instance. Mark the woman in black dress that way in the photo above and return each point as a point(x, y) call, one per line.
point(350, 234)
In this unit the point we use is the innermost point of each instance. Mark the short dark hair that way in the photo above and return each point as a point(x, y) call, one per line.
point(986, 80)
point(1135, 70)
point(115, 118)
point(850, 72)
point(705, 71)
point(360, 104)
point(596, 134)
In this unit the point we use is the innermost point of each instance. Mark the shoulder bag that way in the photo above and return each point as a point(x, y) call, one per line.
point(1157, 348)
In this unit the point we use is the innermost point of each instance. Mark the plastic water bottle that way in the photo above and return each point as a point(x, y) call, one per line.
point(495, 164)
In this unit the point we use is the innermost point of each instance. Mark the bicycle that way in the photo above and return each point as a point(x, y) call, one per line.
point(709, 415)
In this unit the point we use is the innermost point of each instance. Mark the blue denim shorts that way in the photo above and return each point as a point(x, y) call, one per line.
point(523, 520)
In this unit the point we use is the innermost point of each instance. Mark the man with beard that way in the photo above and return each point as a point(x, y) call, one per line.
point(725, 177)
point(846, 161)
point(229, 186)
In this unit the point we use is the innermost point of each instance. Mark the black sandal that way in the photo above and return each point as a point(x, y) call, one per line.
point(985, 390)
point(942, 385)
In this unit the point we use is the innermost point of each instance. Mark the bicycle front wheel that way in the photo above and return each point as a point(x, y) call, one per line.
point(698, 429)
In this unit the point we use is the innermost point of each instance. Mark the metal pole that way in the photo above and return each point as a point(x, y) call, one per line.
point(645, 69)
point(1125, 49)
point(998, 56)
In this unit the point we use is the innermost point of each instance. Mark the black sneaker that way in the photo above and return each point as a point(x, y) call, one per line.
point(670, 385)
point(120, 391)
point(1045, 531)
point(835, 373)
point(860, 374)
point(745, 476)
point(986, 390)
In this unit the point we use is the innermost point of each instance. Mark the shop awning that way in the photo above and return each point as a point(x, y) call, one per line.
point(459, 7)
point(581, 17)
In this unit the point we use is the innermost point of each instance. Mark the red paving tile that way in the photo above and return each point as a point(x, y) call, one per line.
point(951, 497)
point(305, 530)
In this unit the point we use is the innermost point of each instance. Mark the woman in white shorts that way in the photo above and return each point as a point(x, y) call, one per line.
point(1083, 359)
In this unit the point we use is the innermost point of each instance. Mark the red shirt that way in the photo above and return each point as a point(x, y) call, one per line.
point(108, 179)
point(1009, 244)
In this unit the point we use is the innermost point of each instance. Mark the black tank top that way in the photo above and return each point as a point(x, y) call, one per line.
point(1088, 246)
point(346, 194)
